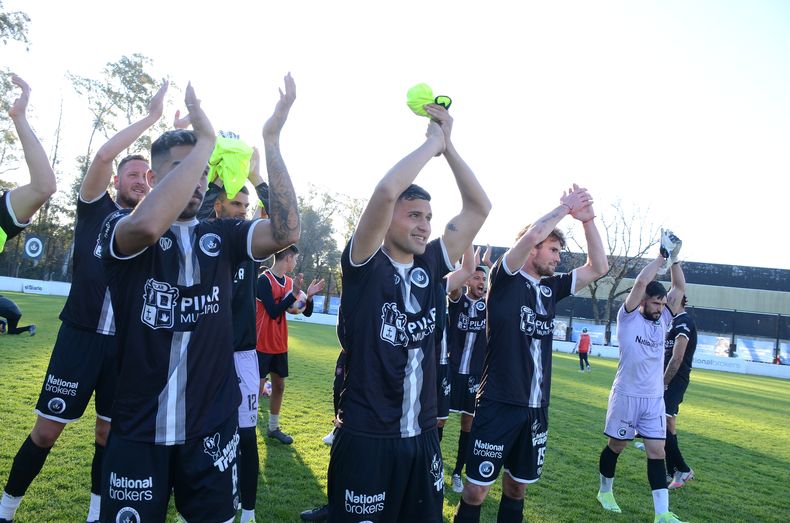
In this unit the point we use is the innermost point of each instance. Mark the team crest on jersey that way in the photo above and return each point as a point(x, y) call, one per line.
point(437, 471)
point(210, 244)
point(528, 317)
point(165, 243)
point(159, 304)
point(546, 291)
point(463, 322)
point(480, 305)
point(127, 515)
point(419, 277)
point(393, 325)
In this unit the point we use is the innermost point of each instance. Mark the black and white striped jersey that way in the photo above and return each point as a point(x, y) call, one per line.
point(88, 305)
point(517, 368)
point(466, 335)
point(174, 322)
point(390, 312)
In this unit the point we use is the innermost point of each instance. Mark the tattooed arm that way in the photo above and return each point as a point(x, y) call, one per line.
point(574, 199)
point(475, 205)
point(282, 229)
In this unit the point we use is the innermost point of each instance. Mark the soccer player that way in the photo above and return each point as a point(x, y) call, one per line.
point(386, 463)
point(217, 204)
point(276, 292)
point(636, 401)
point(18, 206)
point(83, 359)
point(10, 311)
point(510, 426)
point(583, 348)
point(175, 414)
point(681, 342)
point(466, 329)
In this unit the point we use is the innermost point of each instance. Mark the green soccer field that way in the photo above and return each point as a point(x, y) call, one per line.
point(734, 431)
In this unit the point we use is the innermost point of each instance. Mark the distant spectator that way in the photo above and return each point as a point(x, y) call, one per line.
point(583, 347)
point(10, 311)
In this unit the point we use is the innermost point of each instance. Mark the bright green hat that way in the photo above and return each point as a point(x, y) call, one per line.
point(3, 238)
point(231, 162)
point(420, 95)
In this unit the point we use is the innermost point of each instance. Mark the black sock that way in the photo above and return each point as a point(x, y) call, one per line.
point(466, 513)
point(440, 430)
point(248, 467)
point(510, 510)
point(608, 462)
point(670, 444)
point(27, 464)
point(460, 459)
point(98, 458)
point(680, 463)
point(655, 474)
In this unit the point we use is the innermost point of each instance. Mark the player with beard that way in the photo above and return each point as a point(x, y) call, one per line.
point(83, 359)
point(467, 340)
point(176, 406)
point(386, 461)
point(18, 206)
point(636, 402)
point(217, 204)
point(510, 426)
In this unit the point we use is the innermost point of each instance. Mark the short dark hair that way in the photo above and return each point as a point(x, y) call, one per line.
point(481, 268)
point(556, 234)
point(414, 192)
point(655, 289)
point(131, 158)
point(684, 301)
point(291, 249)
point(223, 193)
point(160, 149)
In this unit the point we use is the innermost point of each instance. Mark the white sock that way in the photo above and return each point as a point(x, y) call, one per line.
point(606, 484)
point(8, 506)
point(274, 421)
point(247, 515)
point(95, 507)
point(661, 500)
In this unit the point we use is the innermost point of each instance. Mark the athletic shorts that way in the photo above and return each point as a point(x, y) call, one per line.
point(463, 393)
point(137, 478)
point(385, 479)
point(509, 436)
point(627, 415)
point(276, 363)
point(443, 391)
point(249, 383)
point(673, 396)
point(82, 361)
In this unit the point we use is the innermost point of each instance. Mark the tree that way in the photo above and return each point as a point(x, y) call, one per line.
point(627, 237)
point(14, 27)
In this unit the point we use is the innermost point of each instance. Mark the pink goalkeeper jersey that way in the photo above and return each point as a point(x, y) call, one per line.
point(640, 372)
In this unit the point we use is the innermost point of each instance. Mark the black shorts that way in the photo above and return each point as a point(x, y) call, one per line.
point(276, 363)
point(673, 396)
point(463, 393)
point(82, 361)
point(507, 435)
point(137, 478)
point(385, 479)
point(340, 377)
point(443, 391)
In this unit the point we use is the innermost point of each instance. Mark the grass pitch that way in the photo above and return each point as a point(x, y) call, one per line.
point(733, 430)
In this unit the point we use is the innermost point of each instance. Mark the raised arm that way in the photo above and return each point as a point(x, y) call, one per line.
point(597, 265)
point(174, 189)
point(457, 278)
point(283, 227)
point(376, 217)
point(572, 200)
point(27, 199)
point(646, 275)
point(475, 205)
point(678, 289)
point(100, 170)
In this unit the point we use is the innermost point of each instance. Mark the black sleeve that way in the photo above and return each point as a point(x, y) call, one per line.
point(308, 310)
point(262, 190)
point(8, 222)
point(207, 207)
point(264, 295)
point(107, 236)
